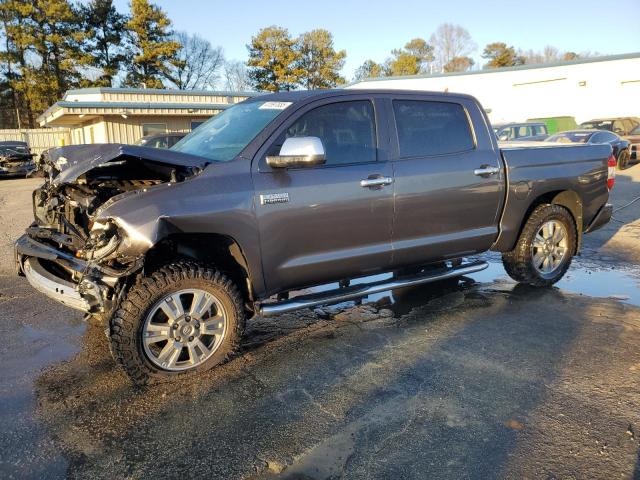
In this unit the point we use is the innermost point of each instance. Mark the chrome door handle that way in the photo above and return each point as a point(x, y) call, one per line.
point(376, 182)
point(486, 170)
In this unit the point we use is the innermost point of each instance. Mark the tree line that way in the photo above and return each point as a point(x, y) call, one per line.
point(50, 46)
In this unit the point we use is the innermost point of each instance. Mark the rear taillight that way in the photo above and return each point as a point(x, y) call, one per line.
point(611, 172)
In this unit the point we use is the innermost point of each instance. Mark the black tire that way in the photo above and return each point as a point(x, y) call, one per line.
point(623, 159)
point(519, 262)
point(126, 326)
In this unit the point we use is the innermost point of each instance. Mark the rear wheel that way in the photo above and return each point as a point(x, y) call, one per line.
point(182, 319)
point(623, 159)
point(545, 247)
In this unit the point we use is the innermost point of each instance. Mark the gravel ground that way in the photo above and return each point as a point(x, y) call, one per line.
point(484, 379)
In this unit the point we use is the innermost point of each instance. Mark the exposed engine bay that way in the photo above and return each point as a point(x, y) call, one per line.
point(68, 241)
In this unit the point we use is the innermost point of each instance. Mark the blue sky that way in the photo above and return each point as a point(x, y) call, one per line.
point(372, 28)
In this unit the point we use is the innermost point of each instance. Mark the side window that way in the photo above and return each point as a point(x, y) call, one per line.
point(160, 142)
point(347, 131)
point(523, 131)
point(151, 128)
point(539, 130)
point(618, 127)
point(596, 138)
point(431, 128)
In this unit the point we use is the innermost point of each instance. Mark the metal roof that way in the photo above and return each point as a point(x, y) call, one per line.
point(143, 105)
point(159, 91)
point(607, 58)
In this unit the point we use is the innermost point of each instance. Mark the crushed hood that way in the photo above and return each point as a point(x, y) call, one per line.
point(72, 161)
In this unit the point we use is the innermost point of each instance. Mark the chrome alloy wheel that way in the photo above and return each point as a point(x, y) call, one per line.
point(184, 329)
point(549, 247)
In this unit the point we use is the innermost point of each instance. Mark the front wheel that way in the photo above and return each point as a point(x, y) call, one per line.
point(182, 319)
point(545, 247)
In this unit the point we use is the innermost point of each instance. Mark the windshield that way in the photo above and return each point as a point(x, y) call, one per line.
point(12, 150)
point(223, 136)
point(570, 137)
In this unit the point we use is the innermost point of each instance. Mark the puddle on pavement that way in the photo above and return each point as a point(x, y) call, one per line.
point(601, 282)
point(593, 281)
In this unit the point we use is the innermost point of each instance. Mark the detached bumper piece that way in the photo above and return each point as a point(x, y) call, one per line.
point(35, 260)
point(601, 219)
point(52, 286)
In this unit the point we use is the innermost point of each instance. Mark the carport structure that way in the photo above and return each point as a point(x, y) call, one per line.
point(123, 115)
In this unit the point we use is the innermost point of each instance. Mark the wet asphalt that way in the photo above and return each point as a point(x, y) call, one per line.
point(480, 378)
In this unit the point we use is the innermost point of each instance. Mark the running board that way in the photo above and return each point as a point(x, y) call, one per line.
point(353, 292)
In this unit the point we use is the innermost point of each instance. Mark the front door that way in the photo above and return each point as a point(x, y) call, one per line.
point(319, 224)
point(448, 181)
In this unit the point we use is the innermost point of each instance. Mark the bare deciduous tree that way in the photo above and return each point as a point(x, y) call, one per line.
point(450, 41)
point(236, 76)
point(198, 65)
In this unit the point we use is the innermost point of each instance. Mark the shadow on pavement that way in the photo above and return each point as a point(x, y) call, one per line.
point(443, 388)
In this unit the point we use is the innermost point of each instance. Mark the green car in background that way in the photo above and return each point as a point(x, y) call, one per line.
point(556, 124)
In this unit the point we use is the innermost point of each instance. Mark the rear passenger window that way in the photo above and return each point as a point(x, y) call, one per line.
point(431, 128)
point(347, 131)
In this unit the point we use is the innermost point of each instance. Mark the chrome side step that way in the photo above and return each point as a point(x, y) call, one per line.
point(362, 290)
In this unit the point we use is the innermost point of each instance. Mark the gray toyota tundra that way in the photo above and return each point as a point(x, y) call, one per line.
point(174, 249)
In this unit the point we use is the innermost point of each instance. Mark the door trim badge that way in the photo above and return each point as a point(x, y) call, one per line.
point(270, 198)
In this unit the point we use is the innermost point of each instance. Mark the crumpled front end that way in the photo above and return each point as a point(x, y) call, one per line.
point(16, 165)
point(70, 252)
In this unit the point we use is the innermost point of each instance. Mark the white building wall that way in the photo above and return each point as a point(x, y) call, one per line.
point(608, 88)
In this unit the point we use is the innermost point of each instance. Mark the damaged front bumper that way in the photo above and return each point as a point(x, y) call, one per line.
point(72, 281)
point(12, 169)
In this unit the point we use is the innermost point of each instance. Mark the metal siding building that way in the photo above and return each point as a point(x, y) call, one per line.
point(584, 89)
point(123, 115)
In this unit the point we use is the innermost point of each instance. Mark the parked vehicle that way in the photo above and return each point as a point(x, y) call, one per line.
point(620, 146)
point(521, 131)
point(556, 124)
point(15, 159)
point(622, 126)
point(634, 138)
point(174, 249)
point(161, 140)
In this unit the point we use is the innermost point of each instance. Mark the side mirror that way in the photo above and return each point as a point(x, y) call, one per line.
point(298, 152)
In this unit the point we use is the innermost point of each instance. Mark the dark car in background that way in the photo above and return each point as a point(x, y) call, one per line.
point(15, 159)
point(620, 146)
point(509, 132)
point(634, 138)
point(161, 140)
point(622, 126)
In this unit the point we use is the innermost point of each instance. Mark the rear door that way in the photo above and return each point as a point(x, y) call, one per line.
point(326, 225)
point(449, 184)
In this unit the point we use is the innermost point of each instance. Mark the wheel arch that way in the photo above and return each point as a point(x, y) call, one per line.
point(568, 199)
point(218, 250)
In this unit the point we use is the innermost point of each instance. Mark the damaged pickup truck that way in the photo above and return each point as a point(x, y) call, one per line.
point(174, 249)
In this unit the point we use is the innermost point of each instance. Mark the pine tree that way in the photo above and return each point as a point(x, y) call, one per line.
point(152, 50)
point(500, 55)
point(318, 62)
point(105, 28)
point(273, 60)
point(43, 54)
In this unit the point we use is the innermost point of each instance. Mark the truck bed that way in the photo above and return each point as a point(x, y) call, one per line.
point(534, 169)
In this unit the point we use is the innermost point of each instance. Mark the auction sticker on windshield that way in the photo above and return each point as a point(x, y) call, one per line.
point(274, 105)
